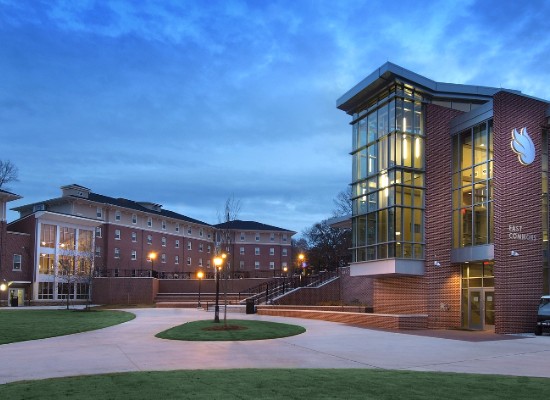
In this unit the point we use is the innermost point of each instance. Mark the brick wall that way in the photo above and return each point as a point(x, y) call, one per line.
point(356, 289)
point(443, 282)
point(517, 194)
point(124, 290)
point(329, 292)
point(400, 295)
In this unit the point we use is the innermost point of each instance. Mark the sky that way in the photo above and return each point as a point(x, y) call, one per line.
point(188, 103)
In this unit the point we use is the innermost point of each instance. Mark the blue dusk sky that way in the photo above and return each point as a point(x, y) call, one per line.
point(187, 103)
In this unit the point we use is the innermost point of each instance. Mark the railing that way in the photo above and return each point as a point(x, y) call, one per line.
point(267, 291)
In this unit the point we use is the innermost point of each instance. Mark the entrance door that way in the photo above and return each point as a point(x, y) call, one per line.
point(16, 297)
point(481, 308)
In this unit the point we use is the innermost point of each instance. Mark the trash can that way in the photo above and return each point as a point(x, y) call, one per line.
point(250, 307)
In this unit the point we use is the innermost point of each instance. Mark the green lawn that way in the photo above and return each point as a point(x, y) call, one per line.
point(281, 384)
point(208, 330)
point(21, 325)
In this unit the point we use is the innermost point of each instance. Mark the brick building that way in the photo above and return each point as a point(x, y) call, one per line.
point(83, 234)
point(257, 250)
point(15, 248)
point(450, 199)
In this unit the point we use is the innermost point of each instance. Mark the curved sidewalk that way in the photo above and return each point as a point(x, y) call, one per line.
point(132, 346)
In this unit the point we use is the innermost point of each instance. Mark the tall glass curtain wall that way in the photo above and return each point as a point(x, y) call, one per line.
point(545, 222)
point(473, 186)
point(388, 177)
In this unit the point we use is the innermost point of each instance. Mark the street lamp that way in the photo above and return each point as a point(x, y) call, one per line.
point(200, 274)
point(152, 256)
point(285, 270)
point(217, 263)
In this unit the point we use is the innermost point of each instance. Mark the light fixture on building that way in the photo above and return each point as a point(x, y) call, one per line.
point(514, 253)
point(437, 264)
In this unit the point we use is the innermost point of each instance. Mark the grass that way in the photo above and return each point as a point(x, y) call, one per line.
point(207, 330)
point(281, 383)
point(22, 325)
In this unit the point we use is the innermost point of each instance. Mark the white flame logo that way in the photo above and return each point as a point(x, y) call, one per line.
point(523, 146)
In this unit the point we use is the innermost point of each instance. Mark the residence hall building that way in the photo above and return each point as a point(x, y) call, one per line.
point(115, 237)
point(256, 250)
point(450, 199)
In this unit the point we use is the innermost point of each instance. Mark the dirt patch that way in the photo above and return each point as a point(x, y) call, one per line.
point(225, 328)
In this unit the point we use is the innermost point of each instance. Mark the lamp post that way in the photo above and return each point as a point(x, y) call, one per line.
point(285, 269)
point(301, 258)
point(217, 263)
point(200, 274)
point(152, 256)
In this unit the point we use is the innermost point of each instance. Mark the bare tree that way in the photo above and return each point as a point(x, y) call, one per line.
point(343, 203)
point(226, 240)
point(8, 173)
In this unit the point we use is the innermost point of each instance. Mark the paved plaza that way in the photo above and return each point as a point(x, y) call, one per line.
point(132, 346)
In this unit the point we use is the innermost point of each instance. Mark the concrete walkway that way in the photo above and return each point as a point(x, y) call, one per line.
point(132, 346)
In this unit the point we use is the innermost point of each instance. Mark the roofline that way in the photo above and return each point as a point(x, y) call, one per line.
point(9, 196)
point(389, 71)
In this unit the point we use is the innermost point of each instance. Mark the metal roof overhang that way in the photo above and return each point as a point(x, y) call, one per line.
point(389, 72)
point(389, 267)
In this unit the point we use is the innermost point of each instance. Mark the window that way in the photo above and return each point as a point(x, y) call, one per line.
point(163, 258)
point(256, 265)
point(208, 249)
point(257, 237)
point(117, 215)
point(117, 252)
point(116, 272)
point(177, 243)
point(285, 265)
point(257, 251)
point(46, 263)
point(134, 255)
point(98, 251)
point(99, 212)
point(117, 234)
point(200, 247)
point(242, 236)
point(45, 290)
point(163, 225)
point(17, 262)
point(271, 265)
point(207, 263)
point(285, 252)
point(188, 260)
point(149, 239)
point(209, 235)
point(177, 227)
point(67, 239)
point(176, 260)
point(134, 219)
point(200, 262)
point(47, 235)
point(242, 250)
point(271, 251)
point(272, 237)
point(189, 230)
point(134, 237)
point(200, 232)
point(85, 240)
point(149, 222)
point(163, 241)
point(189, 245)
point(241, 264)
point(284, 237)
point(98, 232)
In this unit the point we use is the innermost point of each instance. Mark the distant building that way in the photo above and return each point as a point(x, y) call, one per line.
point(103, 236)
point(450, 199)
point(257, 250)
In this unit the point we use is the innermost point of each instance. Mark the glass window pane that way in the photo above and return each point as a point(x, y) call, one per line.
point(382, 226)
point(466, 139)
point(392, 116)
point(372, 127)
point(480, 143)
point(362, 133)
point(480, 225)
point(383, 121)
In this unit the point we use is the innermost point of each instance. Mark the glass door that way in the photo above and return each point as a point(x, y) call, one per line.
point(475, 309)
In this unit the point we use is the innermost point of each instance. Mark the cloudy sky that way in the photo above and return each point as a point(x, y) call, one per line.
point(187, 103)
